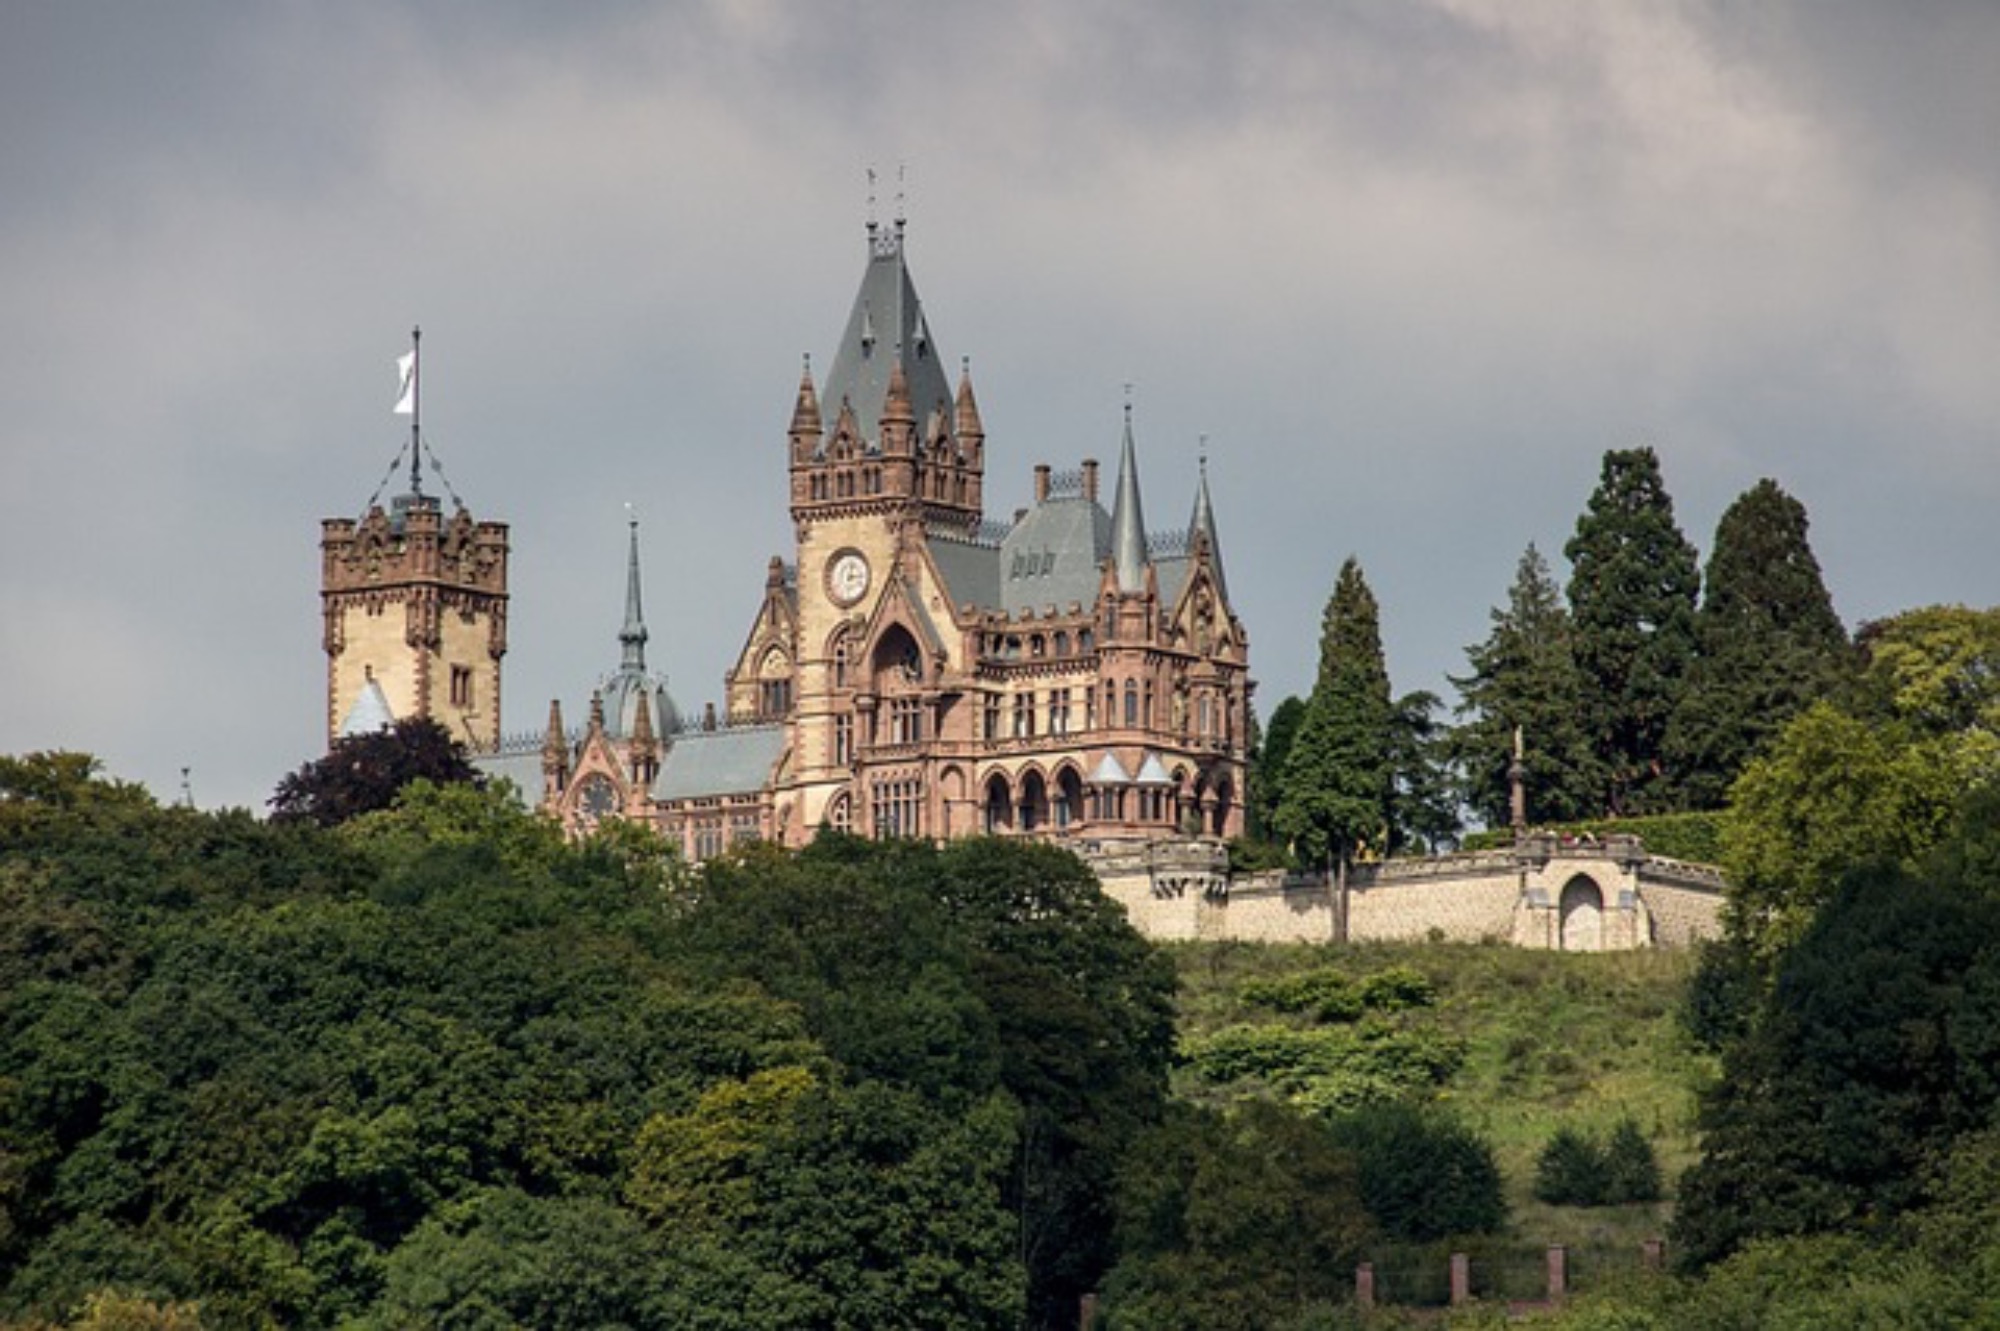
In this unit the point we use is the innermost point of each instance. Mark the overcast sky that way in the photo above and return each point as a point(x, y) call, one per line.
point(1411, 268)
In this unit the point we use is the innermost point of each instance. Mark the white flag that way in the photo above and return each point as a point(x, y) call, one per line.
point(406, 384)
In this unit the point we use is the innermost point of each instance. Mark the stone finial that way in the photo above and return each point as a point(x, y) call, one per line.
point(805, 410)
point(967, 425)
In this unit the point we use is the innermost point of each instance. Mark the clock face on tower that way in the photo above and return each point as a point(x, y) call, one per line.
point(596, 800)
point(847, 577)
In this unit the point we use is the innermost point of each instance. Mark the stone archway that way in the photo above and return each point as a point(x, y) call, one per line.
point(1581, 911)
point(999, 806)
point(1033, 806)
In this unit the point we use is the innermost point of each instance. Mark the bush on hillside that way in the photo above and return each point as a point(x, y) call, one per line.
point(1424, 1174)
point(1577, 1169)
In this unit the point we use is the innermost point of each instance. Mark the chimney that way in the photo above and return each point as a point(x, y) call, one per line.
point(1041, 482)
point(1090, 478)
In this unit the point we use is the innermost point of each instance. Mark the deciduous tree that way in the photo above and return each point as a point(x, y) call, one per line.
point(362, 773)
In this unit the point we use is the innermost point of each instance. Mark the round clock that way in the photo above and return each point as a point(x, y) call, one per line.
point(847, 577)
point(596, 800)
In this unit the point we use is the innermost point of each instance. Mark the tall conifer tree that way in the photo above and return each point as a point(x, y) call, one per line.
point(1767, 643)
point(1267, 764)
point(1334, 798)
point(1525, 675)
point(1632, 589)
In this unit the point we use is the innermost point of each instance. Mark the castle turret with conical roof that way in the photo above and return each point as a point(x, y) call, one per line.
point(900, 438)
point(1129, 553)
point(1201, 530)
point(626, 688)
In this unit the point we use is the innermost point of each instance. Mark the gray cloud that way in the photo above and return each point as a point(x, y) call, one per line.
point(1411, 268)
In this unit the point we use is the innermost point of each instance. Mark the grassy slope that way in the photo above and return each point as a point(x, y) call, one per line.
point(1552, 1038)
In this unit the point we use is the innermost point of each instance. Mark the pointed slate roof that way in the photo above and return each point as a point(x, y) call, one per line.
point(370, 712)
point(887, 321)
point(1128, 520)
point(1203, 524)
point(1110, 772)
point(623, 688)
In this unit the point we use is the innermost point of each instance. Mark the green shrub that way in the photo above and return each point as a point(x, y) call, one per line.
point(1328, 995)
point(1327, 1070)
point(1397, 989)
point(1424, 1175)
point(1576, 1169)
point(1248, 855)
point(1325, 995)
point(1677, 836)
point(1631, 1170)
point(1570, 1170)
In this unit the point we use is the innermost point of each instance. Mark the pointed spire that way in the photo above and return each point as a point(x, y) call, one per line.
point(896, 408)
point(886, 316)
point(846, 423)
point(1128, 522)
point(971, 431)
point(642, 724)
point(633, 635)
point(1202, 527)
point(805, 411)
point(555, 752)
point(644, 750)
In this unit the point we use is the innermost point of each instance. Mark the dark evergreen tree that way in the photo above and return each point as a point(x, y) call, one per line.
point(362, 773)
point(1267, 764)
point(1334, 799)
point(1632, 589)
point(1767, 644)
point(1631, 1169)
point(1423, 803)
point(1525, 675)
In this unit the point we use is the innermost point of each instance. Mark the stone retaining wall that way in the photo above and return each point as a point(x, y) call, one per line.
point(1592, 896)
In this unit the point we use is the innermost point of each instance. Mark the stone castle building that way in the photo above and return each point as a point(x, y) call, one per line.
point(911, 669)
point(414, 610)
point(916, 669)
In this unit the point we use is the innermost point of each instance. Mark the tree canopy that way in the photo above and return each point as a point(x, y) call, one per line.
point(1767, 644)
point(1525, 676)
point(363, 773)
point(439, 1066)
point(1632, 589)
point(1335, 794)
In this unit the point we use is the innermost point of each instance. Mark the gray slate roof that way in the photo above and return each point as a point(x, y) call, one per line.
point(735, 760)
point(887, 320)
point(1053, 555)
point(518, 760)
point(369, 714)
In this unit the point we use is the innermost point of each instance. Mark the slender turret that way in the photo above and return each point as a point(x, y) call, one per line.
point(1128, 520)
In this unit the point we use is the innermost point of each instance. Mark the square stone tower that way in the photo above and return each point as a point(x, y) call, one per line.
point(415, 610)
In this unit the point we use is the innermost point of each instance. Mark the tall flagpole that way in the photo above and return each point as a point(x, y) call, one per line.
point(416, 412)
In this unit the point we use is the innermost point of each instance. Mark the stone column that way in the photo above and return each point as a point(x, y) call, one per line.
point(1364, 1285)
point(1461, 1279)
point(1558, 1272)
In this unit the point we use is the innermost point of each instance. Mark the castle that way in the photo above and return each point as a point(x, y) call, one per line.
point(914, 669)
